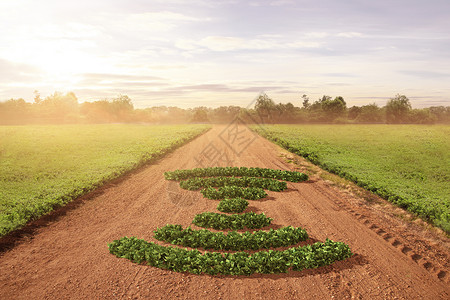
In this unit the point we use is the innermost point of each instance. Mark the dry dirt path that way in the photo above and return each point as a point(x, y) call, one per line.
point(65, 255)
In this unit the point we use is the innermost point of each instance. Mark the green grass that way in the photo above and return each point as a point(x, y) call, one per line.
point(407, 164)
point(43, 167)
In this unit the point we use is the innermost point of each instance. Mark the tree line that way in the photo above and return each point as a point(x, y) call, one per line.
point(60, 108)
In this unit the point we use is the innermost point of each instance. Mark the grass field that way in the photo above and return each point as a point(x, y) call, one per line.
point(407, 164)
point(43, 167)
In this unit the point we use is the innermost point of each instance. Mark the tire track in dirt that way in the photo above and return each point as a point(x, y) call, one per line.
point(68, 257)
point(389, 236)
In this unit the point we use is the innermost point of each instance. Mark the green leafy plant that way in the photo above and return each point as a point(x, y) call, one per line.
point(250, 193)
point(43, 167)
point(196, 183)
point(233, 240)
point(237, 172)
point(401, 163)
point(234, 186)
point(239, 263)
point(232, 205)
point(235, 221)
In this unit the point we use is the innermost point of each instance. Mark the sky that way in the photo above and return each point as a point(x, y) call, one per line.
point(215, 53)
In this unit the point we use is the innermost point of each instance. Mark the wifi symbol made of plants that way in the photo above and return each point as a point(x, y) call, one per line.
point(235, 186)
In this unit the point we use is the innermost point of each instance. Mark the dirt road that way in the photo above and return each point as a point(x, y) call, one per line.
point(65, 255)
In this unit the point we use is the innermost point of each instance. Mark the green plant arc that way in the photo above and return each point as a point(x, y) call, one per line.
point(234, 187)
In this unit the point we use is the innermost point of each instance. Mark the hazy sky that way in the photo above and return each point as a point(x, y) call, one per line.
point(212, 53)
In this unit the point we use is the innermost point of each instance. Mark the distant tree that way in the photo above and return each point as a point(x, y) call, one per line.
point(265, 107)
point(119, 109)
point(219, 114)
point(249, 115)
point(58, 108)
point(177, 115)
point(122, 102)
point(441, 113)
point(19, 103)
point(122, 108)
point(160, 114)
point(143, 115)
point(315, 110)
point(370, 114)
point(422, 116)
point(334, 108)
point(64, 108)
point(326, 110)
point(15, 111)
point(305, 102)
point(321, 101)
point(289, 107)
point(353, 112)
point(224, 114)
point(97, 111)
point(284, 113)
point(200, 115)
point(397, 109)
point(37, 97)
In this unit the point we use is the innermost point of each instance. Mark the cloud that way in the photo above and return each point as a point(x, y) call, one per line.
point(119, 77)
point(423, 74)
point(222, 43)
point(153, 21)
point(201, 49)
point(304, 44)
point(185, 44)
point(336, 74)
point(282, 2)
point(71, 30)
point(204, 87)
point(167, 89)
point(317, 35)
point(349, 34)
point(121, 81)
point(12, 72)
point(338, 84)
point(230, 88)
point(230, 43)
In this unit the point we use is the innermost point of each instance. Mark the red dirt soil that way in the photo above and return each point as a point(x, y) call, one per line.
point(65, 255)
